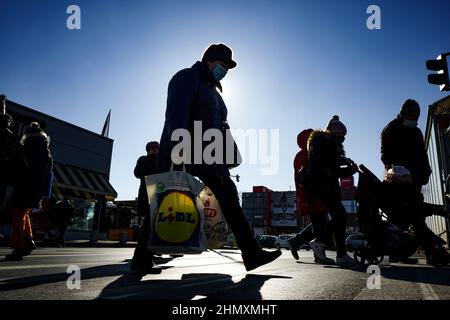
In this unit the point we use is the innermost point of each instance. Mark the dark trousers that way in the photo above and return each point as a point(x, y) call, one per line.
point(336, 226)
point(62, 229)
point(416, 216)
point(144, 232)
point(319, 224)
point(226, 193)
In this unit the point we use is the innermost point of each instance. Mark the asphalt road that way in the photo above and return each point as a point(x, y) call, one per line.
point(219, 274)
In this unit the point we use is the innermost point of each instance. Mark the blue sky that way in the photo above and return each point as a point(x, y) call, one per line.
point(299, 62)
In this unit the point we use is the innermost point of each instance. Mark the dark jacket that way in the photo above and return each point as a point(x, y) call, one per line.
point(326, 158)
point(146, 165)
point(403, 146)
point(400, 201)
point(62, 214)
point(32, 179)
point(193, 96)
point(8, 150)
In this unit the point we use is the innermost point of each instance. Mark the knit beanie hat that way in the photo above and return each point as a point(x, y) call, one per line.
point(336, 126)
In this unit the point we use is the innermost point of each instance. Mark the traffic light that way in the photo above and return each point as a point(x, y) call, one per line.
point(441, 77)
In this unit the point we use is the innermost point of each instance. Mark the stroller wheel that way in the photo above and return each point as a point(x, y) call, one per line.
point(439, 257)
point(359, 257)
point(376, 260)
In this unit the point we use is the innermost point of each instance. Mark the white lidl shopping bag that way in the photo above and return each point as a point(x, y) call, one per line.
point(176, 212)
point(216, 228)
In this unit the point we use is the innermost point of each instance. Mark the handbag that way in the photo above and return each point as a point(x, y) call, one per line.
point(176, 213)
point(216, 228)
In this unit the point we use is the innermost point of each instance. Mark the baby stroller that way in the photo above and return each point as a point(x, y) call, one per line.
point(382, 237)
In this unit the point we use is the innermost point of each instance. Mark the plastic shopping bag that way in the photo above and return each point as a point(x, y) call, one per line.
point(216, 228)
point(176, 212)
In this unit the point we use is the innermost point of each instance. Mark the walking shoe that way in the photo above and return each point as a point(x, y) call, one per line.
point(255, 260)
point(345, 261)
point(29, 246)
point(294, 248)
point(319, 250)
point(144, 268)
point(142, 262)
point(15, 255)
point(326, 261)
point(294, 253)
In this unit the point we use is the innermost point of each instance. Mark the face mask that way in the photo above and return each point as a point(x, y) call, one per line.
point(219, 72)
point(340, 139)
point(409, 123)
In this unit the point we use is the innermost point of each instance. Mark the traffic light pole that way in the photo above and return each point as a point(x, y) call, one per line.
point(441, 78)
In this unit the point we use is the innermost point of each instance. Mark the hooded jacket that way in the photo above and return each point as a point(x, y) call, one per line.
point(326, 156)
point(301, 158)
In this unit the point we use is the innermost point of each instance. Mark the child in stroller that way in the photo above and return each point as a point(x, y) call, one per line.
point(391, 214)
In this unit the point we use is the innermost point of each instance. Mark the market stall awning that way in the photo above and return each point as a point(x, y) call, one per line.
point(83, 183)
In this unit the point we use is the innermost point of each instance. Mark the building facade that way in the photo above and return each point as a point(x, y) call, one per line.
point(82, 163)
point(276, 212)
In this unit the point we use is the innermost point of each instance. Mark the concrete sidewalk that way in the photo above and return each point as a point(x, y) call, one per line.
point(81, 244)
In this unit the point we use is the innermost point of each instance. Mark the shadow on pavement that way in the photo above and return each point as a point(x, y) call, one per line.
point(214, 286)
point(423, 274)
point(413, 273)
point(117, 269)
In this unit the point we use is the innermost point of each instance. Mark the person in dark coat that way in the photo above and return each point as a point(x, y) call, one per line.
point(142, 260)
point(194, 99)
point(326, 164)
point(62, 214)
point(402, 144)
point(146, 165)
point(31, 184)
point(8, 152)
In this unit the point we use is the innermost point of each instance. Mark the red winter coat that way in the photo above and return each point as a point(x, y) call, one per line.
point(300, 161)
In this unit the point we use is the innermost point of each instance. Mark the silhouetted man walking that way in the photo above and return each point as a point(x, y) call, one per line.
point(193, 96)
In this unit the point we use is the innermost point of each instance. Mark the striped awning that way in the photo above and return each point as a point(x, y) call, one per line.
point(81, 182)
